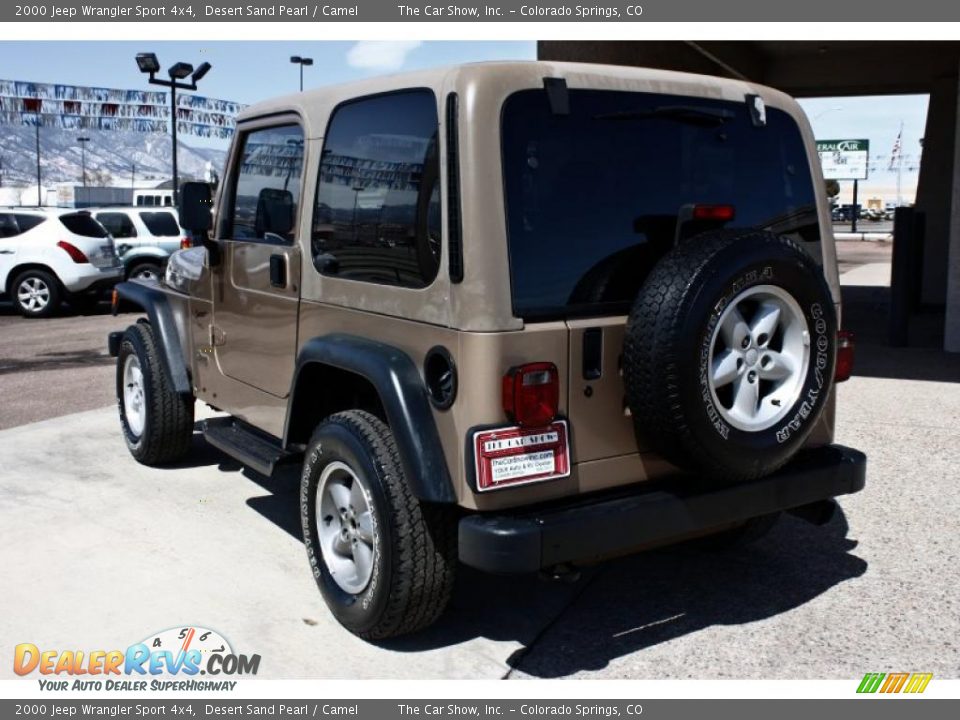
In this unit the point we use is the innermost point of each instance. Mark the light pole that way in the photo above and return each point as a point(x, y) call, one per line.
point(149, 64)
point(83, 157)
point(301, 61)
point(39, 198)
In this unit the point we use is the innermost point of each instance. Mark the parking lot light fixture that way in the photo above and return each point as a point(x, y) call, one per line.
point(301, 61)
point(149, 64)
point(83, 158)
point(180, 70)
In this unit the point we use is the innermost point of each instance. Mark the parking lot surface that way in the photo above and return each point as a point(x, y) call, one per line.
point(100, 552)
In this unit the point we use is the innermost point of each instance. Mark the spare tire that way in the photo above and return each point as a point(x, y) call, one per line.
point(729, 353)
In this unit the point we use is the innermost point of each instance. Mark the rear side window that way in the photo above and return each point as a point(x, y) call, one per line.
point(161, 223)
point(13, 224)
point(377, 211)
point(266, 188)
point(118, 224)
point(83, 224)
point(596, 196)
point(28, 222)
point(8, 226)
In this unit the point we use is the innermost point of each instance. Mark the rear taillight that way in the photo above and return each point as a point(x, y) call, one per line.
point(845, 349)
point(531, 394)
point(185, 243)
point(716, 213)
point(73, 251)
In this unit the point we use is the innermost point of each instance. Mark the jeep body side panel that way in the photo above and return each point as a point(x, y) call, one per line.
point(404, 399)
point(167, 311)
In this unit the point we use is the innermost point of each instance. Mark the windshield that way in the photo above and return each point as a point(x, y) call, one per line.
point(594, 197)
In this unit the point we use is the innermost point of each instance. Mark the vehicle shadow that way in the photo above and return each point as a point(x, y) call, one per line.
point(622, 606)
point(642, 601)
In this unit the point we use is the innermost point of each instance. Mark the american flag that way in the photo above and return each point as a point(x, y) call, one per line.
point(895, 155)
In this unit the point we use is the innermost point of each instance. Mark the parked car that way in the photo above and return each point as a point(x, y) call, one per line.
point(144, 237)
point(520, 316)
point(51, 255)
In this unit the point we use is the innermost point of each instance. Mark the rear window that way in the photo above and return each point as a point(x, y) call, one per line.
point(596, 196)
point(83, 224)
point(161, 223)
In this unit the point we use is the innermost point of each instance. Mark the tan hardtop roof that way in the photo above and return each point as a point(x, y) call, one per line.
point(316, 104)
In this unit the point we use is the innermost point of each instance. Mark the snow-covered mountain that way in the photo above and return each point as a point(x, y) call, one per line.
point(115, 153)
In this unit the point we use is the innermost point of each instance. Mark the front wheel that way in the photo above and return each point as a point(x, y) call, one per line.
point(146, 271)
point(384, 561)
point(157, 421)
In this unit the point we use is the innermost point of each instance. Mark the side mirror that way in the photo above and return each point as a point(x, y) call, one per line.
point(196, 202)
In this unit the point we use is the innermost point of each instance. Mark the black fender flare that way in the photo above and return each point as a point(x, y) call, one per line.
point(157, 306)
point(395, 377)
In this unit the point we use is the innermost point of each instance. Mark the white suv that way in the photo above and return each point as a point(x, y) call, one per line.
point(145, 237)
point(48, 255)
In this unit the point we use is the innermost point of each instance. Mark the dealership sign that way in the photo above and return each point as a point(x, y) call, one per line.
point(844, 159)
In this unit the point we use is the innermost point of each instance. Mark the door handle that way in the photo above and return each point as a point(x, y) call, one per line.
point(592, 353)
point(278, 271)
point(6, 252)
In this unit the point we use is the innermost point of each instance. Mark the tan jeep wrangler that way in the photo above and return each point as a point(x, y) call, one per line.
point(521, 316)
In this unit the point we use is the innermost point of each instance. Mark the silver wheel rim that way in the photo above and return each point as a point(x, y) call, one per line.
point(144, 273)
point(33, 294)
point(345, 527)
point(759, 356)
point(134, 407)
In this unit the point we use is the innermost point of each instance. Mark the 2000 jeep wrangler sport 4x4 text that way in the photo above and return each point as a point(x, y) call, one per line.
point(516, 315)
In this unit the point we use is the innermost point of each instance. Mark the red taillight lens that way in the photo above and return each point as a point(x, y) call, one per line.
point(185, 243)
point(531, 394)
point(716, 213)
point(73, 251)
point(845, 349)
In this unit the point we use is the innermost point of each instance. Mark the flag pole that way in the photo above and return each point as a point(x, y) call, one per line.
point(900, 167)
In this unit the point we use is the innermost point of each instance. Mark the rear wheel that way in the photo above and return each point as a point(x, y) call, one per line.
point(383, 560)
point(157, 421)
point(148, 271)
point(36, 293)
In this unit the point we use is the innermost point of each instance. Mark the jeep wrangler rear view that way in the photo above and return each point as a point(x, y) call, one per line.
point(521, 316)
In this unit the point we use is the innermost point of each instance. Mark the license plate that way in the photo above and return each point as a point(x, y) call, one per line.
point(511, 456)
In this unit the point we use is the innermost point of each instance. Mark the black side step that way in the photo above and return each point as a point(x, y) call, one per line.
point(246, 445)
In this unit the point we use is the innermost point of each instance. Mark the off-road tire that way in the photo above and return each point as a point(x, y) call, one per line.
point(52, 285)
point(668, 340)
point(415, 555)
point(168, 424)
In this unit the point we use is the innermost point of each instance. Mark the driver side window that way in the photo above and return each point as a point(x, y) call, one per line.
point(266, 190)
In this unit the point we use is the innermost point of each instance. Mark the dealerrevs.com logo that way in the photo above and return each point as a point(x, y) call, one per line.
point(173, 659)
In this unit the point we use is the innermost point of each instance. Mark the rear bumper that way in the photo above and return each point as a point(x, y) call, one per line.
point(599, 526)
point(94, 283)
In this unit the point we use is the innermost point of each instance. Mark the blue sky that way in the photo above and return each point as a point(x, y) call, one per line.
point(242, 71)
point(249, 71)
